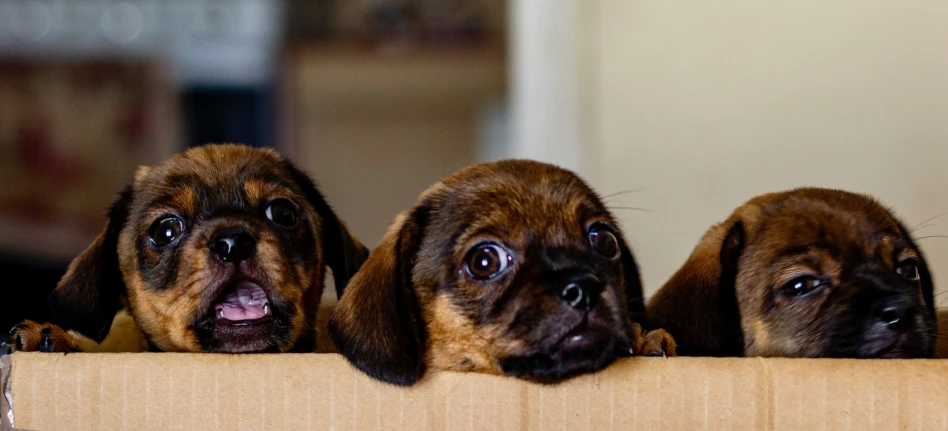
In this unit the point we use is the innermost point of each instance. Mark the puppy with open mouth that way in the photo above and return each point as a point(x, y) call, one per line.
point(804, 273)
point(222, 248)
point(513, 267)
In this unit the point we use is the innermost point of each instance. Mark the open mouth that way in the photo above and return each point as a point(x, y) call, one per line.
point(244, 302)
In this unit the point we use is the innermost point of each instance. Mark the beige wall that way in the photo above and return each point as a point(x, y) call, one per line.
point(376, 130)
point(705, 104)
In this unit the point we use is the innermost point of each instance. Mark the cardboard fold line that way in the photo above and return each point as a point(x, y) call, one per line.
point(768, 395)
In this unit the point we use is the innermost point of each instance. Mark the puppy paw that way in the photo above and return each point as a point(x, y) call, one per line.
point(657, 343)
point(30, 336)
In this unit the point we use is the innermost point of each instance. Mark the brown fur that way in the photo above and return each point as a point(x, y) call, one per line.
point(412, 305)
point(730, 297)
point(941, 347)
point(171, 291)
point(30, 336)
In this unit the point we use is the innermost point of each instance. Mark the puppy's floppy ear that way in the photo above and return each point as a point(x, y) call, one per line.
point(698, 305)
point(344, 253)
point(88, 297)
point(377, 324)
point(633, 282)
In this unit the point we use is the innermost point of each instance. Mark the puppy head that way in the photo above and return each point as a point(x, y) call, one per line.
point(805, 273)
point(513, 267)
point(219, 249)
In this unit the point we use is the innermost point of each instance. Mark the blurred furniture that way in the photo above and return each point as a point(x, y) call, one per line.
point(220, 54)
point(375, 129)
point(426, 23)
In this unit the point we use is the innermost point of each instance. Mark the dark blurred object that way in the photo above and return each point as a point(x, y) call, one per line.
point(27, 283)
point(450, 22)
point(435, 22)
point(229, 115)
point(312, 18)
point(387, 23)
point(392, 21)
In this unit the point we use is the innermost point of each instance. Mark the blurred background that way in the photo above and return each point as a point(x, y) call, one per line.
point(681, 110)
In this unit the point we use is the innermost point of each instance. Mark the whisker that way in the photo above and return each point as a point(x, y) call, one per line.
point(624, 192)
point(931, 236)
point(930, 219)
point(631, 208)
point(921, 227)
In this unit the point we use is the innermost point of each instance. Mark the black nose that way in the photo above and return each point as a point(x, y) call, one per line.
point(582, 292)
point(896, 314)
point(233, 245)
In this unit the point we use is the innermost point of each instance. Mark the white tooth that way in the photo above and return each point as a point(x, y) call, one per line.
point(220, 313)
point(266, 308)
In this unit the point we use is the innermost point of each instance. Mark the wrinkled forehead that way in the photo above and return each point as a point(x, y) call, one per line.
point(836, 228)
point(513, 207)
point(197, 180)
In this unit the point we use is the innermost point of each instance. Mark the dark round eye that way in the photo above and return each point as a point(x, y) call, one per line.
point(909, 269)
point(803, 285)
point(604, 242)
point(166, 231)
point(282, 212)
point(486, 261)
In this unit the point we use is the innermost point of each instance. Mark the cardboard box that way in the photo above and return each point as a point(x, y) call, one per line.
point(163, 391)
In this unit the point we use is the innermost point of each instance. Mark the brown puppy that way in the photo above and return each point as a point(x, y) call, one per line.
point(514, 267)
point(805, 273)
point(222, 248)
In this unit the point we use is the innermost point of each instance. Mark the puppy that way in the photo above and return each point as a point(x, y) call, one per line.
point(222, 248)
point(514, 267)
point(805, 273)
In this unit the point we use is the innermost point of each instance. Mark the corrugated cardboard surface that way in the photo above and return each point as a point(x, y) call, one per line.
point(153, 391)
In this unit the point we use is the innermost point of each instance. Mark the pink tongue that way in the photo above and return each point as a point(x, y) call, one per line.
point(246, 301)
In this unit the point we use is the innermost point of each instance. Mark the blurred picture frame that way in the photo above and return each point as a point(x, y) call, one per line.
point(72, 134)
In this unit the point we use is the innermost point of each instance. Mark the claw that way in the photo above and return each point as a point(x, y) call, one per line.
point(664, 355)
point(16, 327)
